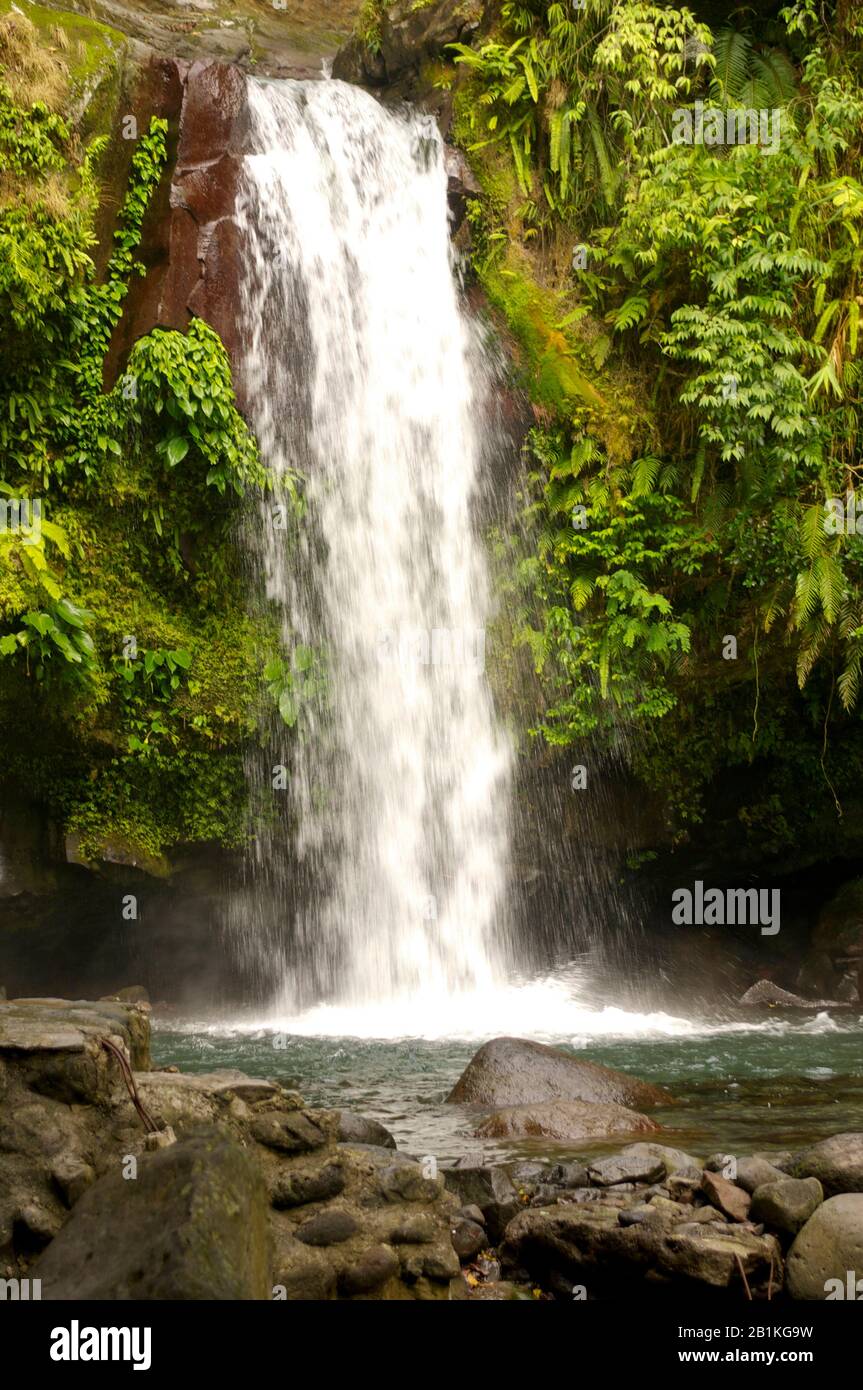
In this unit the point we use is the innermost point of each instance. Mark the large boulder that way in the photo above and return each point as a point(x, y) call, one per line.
point(513, 1071)
point(563, 1245)
point(564, 1120)
point(837, 1163)
point(341, 1218)
point(192, 1224)
point(829, 1247)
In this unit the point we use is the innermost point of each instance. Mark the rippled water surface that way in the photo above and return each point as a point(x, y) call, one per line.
point(738, 1086)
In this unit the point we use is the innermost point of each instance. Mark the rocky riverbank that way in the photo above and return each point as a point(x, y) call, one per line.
point(120, 1181)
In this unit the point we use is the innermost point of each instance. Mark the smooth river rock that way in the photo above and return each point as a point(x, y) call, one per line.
point(565, 1120)
point(837, 1163)
point(786, 1206)
point(829, 1246)
point(513, 1071)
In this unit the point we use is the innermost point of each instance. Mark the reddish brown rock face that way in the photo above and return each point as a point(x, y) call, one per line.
point(190, 244)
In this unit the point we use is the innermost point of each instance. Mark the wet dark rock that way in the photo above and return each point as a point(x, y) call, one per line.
point(674, 1161)
point(513, 1071)
point(409, 36)
point(766, 992)
point(589, 1246)
point(491, 1190)
point(564, 1120)
point(460, 185)
point(787, 1205)
point(356, 1129)
point(34, 1226)
point(626, 1168)
point(468, 1238)
point(297, 1189)
point(418, 1229)
point(191, 1225)
point(568, 1175)
point(289, 1132)
point(374, 1267)
point(328, 1227)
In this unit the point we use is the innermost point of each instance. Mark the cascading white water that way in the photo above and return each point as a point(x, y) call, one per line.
point(361, 372)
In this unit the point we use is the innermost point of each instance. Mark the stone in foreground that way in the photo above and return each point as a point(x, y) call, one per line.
point(837, 1163)
point(191, 1225)
point(828, 1248)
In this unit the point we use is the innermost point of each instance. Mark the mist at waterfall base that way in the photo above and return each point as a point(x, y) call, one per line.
point(385, 924)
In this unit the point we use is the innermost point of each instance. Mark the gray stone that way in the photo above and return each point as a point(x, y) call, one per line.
point(488, 1188)
point(787, 1205)
point(192, 1225)
point(756, 1172)
point(374, 1267)
point(674, 1161)
point(566, 1120)
point(568, 1175)
point(288, 1132)
point(513, 1071)
point(328, 1227)
point(414, 1229)
point(588, 1245)
point(356, 1129)
point(468, 1238)
point(73, 1176)
point(605, 1172)
point(827, 1248)
point(470, 1213)
point(294, 1189)
point(837, 1163)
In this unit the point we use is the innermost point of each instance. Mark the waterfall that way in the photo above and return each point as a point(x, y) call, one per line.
point(379, 876)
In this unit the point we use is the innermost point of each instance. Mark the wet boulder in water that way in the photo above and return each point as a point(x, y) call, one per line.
point(565, 1120)
point(513, 1071)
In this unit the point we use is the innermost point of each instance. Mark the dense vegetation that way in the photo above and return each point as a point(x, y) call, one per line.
point(686, 319)
point(127, 664)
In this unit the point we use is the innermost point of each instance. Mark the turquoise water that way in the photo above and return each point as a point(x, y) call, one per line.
point(737, 1088)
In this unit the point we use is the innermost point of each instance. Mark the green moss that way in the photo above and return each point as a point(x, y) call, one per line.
point(549, 359)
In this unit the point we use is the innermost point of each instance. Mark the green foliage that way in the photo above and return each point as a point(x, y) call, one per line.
point(129, 533)
point(294, 683)
point(722, 294)
point(576, 94)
